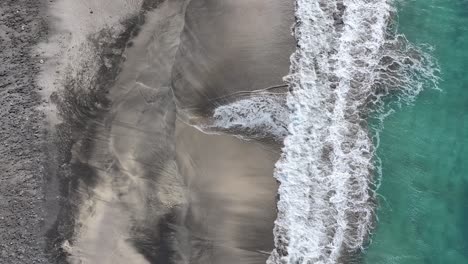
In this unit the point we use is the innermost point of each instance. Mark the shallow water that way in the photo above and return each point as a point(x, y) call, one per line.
point(423, 208)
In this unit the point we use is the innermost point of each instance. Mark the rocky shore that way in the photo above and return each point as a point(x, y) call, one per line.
point(22, 133)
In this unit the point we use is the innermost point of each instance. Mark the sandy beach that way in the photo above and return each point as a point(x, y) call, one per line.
point(231, 132)
point(136, 183)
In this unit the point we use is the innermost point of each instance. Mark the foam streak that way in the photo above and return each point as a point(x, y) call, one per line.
point(325, 209)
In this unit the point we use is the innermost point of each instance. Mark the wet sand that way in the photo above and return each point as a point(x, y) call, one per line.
point(145, 187)
point(231, 209)
point(227, 47)
point(230, 46)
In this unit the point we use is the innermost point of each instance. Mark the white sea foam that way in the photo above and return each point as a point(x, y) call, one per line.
point(347, 60)
point(255, 117)
point(325, 205)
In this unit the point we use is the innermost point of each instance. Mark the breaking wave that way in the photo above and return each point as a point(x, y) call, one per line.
point(349, 64)
point(256, 117)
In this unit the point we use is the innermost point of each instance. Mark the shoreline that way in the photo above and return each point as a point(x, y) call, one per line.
point(85, 123)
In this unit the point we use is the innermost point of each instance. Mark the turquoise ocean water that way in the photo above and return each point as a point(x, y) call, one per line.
point(423, 213)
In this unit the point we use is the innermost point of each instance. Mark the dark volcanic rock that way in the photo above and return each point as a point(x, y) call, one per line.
point(22, 133)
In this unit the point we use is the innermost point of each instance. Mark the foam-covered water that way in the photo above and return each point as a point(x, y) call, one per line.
point(325, 208)
point(348, 59)
point(257, 117)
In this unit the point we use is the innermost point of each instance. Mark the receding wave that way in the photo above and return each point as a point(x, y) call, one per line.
point(264, 116)
point(348, 59)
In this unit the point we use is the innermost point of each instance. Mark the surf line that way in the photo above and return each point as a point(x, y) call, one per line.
point(326, 203)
